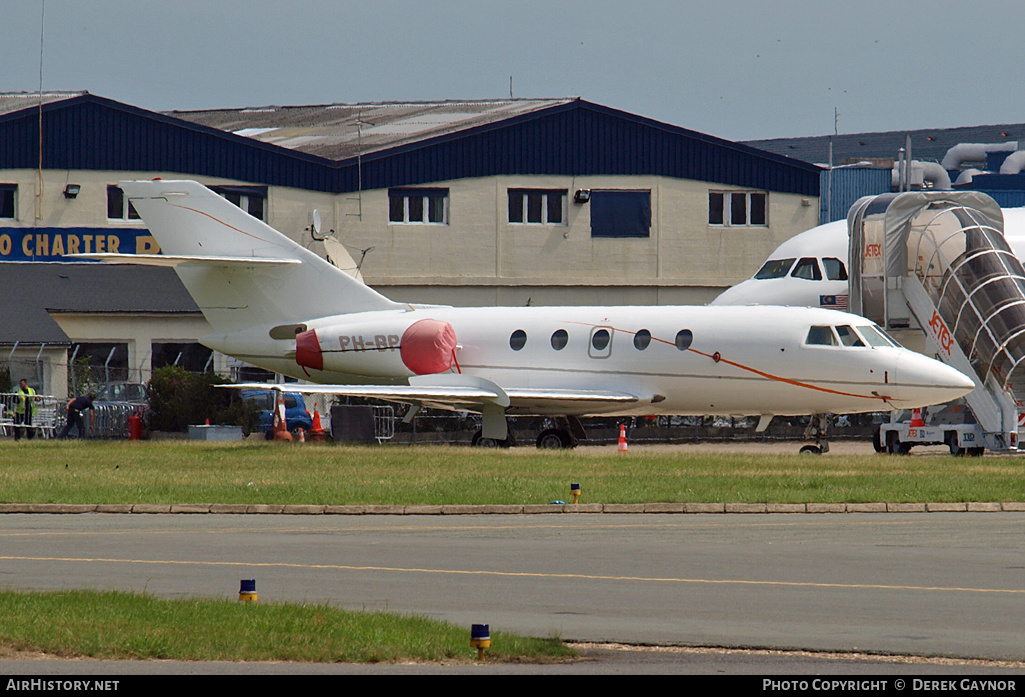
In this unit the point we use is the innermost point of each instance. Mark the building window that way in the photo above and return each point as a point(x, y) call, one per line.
point(620, 213)
point(537, 206)
point(8, 201)
point(251, 199)
point(418, 206)
point(738, 208)
point(118, 205)
point(193, 357)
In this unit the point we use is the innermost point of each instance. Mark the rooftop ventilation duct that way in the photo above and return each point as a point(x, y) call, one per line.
point(974, 152)
point(1014, 163)
point(922, 172)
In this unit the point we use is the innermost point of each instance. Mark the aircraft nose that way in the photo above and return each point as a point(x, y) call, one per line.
point(928, 382)
point(744, 293)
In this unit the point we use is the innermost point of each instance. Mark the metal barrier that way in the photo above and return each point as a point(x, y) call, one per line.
point(47, 420)
point(108, 420)
point(384, 423)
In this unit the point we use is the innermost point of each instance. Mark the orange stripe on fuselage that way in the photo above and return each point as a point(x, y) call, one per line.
point(741, 366)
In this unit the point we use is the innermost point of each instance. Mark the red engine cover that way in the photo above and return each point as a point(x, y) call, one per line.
point(428, 346)
point(307, 350)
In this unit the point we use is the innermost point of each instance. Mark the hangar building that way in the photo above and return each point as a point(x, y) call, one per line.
point(493, 202)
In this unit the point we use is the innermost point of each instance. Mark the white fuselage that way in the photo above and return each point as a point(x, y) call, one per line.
point(739, 360)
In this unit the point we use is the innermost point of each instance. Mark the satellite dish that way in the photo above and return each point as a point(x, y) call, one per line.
point(315, 225)
point(340, 257)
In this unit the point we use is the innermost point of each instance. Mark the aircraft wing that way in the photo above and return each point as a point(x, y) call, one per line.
point(455, 395)
point(172, 261)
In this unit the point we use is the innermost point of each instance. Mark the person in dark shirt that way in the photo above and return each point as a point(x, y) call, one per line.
point(75, 409)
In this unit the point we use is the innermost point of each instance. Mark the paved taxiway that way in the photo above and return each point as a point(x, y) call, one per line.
point(923, 584)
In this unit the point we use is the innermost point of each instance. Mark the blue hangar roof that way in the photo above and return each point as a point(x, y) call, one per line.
point(460, 140)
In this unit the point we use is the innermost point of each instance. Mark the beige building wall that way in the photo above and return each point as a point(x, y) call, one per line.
point(478, 257)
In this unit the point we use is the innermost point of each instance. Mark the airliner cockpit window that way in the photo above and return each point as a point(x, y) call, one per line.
point(835, 270)
point(875, 337)
point(821, 336)
point(808, 269)
point(848, 337)
point(774, 268)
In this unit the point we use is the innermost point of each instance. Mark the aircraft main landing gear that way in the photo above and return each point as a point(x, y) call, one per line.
point(566, 433)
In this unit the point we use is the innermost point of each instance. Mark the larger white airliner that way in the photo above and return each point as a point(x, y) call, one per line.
point(275, 304)
point(810, 269)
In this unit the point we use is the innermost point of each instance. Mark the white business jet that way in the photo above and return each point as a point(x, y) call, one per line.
point(275, 304)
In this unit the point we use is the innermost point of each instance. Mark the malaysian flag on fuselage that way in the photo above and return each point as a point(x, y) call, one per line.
point(833, 302)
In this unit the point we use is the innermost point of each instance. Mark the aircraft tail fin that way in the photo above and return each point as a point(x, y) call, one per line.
point(210, 238)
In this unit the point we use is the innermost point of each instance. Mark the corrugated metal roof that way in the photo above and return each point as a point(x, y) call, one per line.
point(31, 289)
point(563, 137)
point(16, 101)
point(927, 144)
point(341, 131)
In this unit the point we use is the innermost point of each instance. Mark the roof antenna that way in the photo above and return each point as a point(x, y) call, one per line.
point(39, 176)
point(510, 87)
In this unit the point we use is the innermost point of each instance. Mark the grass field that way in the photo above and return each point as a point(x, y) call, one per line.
point(255, 472)
point(118, 625)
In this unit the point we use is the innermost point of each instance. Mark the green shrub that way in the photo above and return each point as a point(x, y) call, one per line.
point(178, 398)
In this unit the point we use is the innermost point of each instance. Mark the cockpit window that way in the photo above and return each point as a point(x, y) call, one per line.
point(875, 336)
point(835, 270)
point(821, 336)
point(807, 269)
point(848, 337)
point(774, 268)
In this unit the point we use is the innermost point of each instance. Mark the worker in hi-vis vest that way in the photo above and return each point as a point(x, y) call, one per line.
point(25, 410)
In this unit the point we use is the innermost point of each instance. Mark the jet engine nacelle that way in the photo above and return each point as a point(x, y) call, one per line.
point(383, 347)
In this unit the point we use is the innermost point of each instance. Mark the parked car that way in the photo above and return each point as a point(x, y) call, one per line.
point(296, 416)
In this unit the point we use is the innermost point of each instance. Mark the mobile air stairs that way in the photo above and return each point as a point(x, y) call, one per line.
point(936, 263)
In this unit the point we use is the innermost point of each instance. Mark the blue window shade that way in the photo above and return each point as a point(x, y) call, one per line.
point(620, 213)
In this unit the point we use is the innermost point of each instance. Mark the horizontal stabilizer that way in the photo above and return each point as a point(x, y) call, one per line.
point(168, 260)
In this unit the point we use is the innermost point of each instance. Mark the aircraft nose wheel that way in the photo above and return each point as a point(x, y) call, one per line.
point(810, 450)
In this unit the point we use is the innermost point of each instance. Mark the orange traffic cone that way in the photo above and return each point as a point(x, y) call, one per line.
point(302, 435)
point(280, 423)
point(317, 433)
point(622, 438)
point(916, 418)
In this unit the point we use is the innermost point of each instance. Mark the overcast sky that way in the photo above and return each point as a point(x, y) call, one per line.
point(732, 68)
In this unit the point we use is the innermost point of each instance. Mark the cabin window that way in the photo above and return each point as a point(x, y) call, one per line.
point(848, 337)
point(808, 269)
point(118, 205)
point(600, 345)
point(642, 339)
point(559, 339)
point(620, 213)
point(876, 337)
point(537, 206)
point(835, 270)
point(8, 201)
point(684, 337)
point(518, 340)
point(418, 206)
point(774, 268)
point(821, 336)
point(738, 208)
